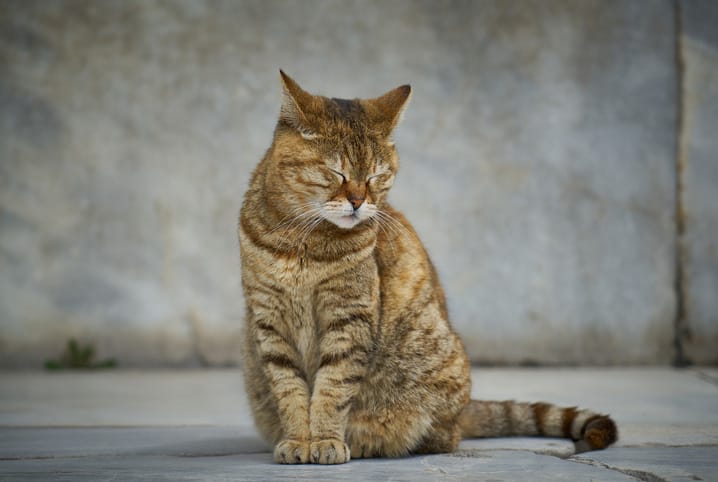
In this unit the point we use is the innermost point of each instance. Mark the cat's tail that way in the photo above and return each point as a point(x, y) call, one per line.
point(590, 430)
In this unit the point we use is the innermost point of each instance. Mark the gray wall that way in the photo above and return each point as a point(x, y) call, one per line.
point(698, 158)
point(541, 159)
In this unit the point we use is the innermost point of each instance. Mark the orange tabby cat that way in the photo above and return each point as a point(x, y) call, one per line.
point(348, 351)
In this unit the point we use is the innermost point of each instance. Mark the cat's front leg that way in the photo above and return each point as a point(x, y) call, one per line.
point(342, 369)
point(346, 329)
point(285, 377)
point(291, 392)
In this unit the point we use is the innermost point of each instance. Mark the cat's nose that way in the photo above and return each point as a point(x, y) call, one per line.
point(355, 200)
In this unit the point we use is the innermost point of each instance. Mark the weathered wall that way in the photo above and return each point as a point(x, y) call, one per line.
point(539, 166)
point(699, 157)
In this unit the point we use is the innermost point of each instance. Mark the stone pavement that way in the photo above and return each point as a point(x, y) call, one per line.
point(195, 425)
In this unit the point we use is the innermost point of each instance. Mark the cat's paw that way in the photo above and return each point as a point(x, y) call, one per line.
point(292, 452)
point(329, 451)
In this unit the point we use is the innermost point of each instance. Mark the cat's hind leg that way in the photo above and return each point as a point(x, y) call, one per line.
point(386, 432)
point(441, 439)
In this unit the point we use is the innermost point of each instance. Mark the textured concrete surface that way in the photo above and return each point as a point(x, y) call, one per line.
point(538, 166)
point(194, 425)
point(700, 178)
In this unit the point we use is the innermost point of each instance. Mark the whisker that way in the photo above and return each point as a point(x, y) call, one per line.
point(300, 234)
point(299, 221)
point(396, 226)
point(292, 216)
point(312, 226)
point(379, 224)
point(306, 224)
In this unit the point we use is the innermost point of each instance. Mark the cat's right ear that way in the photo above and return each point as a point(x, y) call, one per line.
point(296, 103)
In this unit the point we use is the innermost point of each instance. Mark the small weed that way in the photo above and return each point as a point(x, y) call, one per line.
point(77, 356)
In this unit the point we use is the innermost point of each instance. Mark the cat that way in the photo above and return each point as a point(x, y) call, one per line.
point(347, 350)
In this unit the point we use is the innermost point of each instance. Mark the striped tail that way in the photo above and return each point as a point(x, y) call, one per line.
point(590, 430)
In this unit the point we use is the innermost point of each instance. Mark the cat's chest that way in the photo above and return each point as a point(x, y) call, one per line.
point(303, 323)
point(302, 273)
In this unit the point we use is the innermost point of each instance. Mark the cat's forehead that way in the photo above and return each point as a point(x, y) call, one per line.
point(352, 146)
point(343, 117)
point(346, 108)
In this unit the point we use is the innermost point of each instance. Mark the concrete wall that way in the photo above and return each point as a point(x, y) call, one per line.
point(699, 162)
point(539, 166)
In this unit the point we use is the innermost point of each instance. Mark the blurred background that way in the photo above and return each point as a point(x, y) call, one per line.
point(559, 160)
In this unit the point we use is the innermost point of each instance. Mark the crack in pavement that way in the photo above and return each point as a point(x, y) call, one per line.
point(657, 445)
point(641, 475)
point(706, 377)
point(636, 474)
point(481, 453)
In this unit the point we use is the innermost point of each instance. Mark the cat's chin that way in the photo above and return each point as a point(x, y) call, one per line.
point(345, 222)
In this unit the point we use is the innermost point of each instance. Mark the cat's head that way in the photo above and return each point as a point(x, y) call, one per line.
point(334, 159)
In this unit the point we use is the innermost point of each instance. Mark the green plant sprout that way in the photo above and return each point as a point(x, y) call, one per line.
point(77, 356)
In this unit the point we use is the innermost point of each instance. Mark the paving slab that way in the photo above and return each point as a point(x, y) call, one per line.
point(123, 398)
point(195, 425)
point(658, 463)
point(74, 442)
point(494, 466)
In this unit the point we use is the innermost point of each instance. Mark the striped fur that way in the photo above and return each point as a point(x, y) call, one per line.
point(348, 351)
point(509, 418)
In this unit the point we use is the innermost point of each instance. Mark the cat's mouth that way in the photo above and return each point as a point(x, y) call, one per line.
point(343, 216)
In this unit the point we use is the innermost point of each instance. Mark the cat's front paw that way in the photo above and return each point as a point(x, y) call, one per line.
point(329, 451)
point(292, 452)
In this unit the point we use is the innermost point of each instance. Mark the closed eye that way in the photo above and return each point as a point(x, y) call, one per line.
point(377, 175)
point(338, 174)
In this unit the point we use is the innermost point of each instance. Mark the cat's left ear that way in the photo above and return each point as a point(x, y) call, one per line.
point(386, 111)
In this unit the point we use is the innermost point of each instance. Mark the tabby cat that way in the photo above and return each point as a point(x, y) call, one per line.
point(348, 351)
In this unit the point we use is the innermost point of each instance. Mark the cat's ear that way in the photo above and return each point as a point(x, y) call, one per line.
point(295, 105)
point(386, 111)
